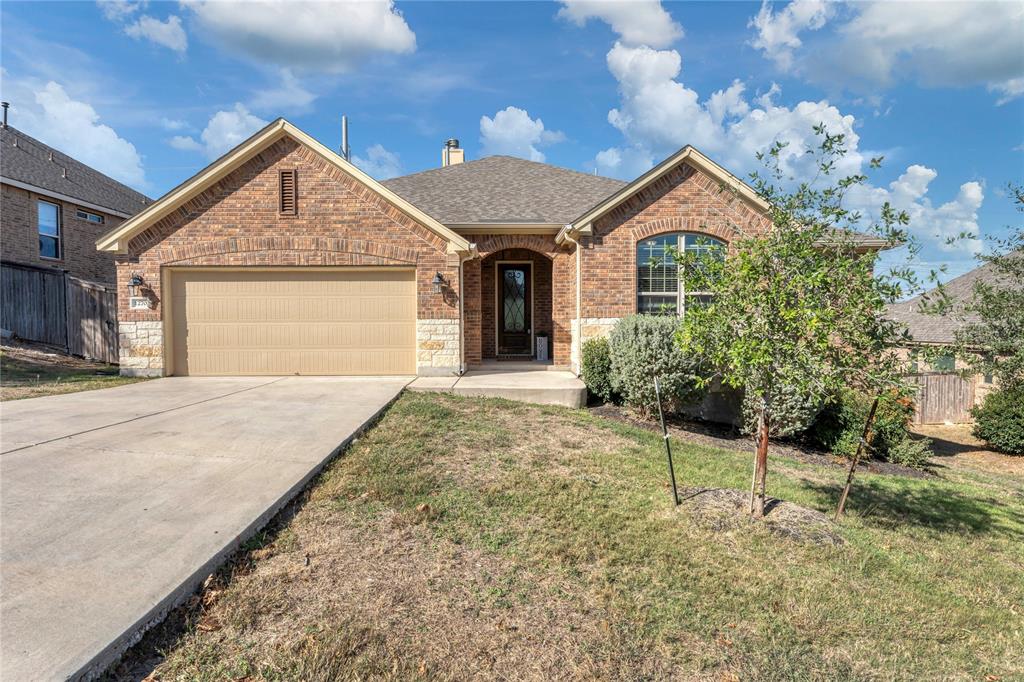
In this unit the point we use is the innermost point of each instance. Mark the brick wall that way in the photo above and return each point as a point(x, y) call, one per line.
point(19, 236)
point(339, 222)
point(684, 200)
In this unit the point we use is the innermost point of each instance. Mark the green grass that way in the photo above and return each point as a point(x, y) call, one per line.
point(33, 374)
point(568, 514)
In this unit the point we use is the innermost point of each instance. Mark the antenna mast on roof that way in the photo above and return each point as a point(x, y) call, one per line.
point(345, 152)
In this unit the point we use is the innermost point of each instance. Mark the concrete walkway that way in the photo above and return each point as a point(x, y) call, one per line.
point(115, 504)
point(542, 385)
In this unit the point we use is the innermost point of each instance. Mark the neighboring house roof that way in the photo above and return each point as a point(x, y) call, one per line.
point(503, 190)
point(117, 240)
point(925, 328)
point(30, 164)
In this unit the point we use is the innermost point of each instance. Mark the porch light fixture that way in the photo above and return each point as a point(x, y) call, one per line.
point(134, 283)
point(438, 282)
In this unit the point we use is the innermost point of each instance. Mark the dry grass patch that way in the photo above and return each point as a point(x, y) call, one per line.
point(34, 371)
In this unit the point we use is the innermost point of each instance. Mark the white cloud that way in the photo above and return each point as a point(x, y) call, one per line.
point(379, 163)
point(225, 130)
point(73, 126)
point(289, 96)
point(778, 32)
point(878, 44)
point(172, 124)
point(311, 35)
point(167, 33)
point(514, 133)
point(638, 22)
point(119, 10)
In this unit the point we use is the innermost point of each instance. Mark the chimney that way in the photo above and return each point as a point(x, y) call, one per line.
point(452, 154)
point(345, 151)
point(5, 105)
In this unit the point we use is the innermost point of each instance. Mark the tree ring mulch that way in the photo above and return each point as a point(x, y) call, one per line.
point(725, 509)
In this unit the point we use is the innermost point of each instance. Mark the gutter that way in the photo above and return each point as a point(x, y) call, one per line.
point(579, 297)
point(64, 197)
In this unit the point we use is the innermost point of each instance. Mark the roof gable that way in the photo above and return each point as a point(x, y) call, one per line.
point(117, 239)
point(503, 190)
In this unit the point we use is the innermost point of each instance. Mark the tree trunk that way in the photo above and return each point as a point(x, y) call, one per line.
point(865, 439)
point(757, 495)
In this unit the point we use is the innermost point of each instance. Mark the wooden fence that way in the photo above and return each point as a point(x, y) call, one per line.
point(52, 307)
point(943, 398)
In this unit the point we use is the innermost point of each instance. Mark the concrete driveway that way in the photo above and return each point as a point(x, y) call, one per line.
point(115, 504)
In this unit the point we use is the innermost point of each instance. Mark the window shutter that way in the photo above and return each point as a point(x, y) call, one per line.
point(289, 192)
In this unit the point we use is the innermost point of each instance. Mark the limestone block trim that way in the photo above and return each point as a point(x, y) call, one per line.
point(438, 347)
point(593, 327)
point(141, 348)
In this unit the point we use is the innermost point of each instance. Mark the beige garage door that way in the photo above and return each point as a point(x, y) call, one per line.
point(309, 321)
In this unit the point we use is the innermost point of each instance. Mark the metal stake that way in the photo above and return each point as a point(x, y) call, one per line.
point(668, 446)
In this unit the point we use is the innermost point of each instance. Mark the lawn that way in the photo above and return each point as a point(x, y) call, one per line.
point(480, 539)
point(29, 371)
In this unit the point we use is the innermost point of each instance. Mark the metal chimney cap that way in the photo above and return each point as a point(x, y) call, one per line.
point(452, 143)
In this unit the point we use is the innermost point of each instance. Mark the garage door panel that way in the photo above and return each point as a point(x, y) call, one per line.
point(294, 322)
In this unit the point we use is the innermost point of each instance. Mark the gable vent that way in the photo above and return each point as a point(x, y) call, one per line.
point(289, 192)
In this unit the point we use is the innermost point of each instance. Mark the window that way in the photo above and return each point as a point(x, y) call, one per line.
point(659, 291)
point(289, 193)
point(944, 363)
point(49, 230)
point(91, 217)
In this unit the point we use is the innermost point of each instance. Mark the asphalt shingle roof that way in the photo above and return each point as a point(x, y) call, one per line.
point(503, 189)
point(26, 159)
point(925, 328)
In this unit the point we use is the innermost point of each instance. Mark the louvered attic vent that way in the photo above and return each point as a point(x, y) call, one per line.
point(289, 192)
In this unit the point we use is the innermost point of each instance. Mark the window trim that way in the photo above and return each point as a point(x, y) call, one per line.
point(59, 237)
point(681, 294)
point(88, 216)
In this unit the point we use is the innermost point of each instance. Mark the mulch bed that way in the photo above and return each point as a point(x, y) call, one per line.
point(728, 438)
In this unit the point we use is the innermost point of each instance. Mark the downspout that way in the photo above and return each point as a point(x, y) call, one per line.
point(462, 308)
point(579, 301)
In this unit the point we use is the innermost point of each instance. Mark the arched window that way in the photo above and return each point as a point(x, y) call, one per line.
point(659, 291)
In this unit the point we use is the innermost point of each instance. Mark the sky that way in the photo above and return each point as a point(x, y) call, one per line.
point(151, 92)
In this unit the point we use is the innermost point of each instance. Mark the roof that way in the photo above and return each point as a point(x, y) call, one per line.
point(26, 161)
point(117, 239)
point(925, 328)
point(503, 190)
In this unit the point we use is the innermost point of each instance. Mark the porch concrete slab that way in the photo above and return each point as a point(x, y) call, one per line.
point(539, 386)
point(438, 384)
point(106, 529)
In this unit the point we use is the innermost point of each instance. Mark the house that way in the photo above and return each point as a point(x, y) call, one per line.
point(944, 395)
point(281, 258)
point(54, 209)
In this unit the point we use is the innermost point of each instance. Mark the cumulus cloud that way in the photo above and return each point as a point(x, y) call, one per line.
point(638, 22)
point(288, 96)
point(47, 112)
point(167, 33)
point(172, 124)
point(119, 10)
point(226, 129)
point(878, 44)
point(514, 133)
point(310, 35)
point(379, 163)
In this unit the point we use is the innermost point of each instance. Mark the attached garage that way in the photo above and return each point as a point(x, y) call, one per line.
point(312, 321)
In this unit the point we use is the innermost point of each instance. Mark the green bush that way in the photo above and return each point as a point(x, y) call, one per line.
point(597, 368)
point(999, 420)
point(641, 346)
point(911, 452)
point(838, 427)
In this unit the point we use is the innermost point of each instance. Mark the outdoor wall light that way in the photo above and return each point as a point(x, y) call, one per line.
point(134, 283)
point(438, 282)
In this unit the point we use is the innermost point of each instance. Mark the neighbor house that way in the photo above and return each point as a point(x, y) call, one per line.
point(283, 258)
point(54, 209)
point(944, 394)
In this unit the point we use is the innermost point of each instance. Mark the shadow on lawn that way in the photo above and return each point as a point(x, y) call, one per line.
point(928, 506)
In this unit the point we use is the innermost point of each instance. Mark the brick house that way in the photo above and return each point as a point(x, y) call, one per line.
point(282, 258)
point(54, 209)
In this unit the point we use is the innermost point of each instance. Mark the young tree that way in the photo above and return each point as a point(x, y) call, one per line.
point(796, 311)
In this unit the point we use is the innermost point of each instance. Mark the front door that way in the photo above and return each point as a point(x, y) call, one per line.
point(514, 309)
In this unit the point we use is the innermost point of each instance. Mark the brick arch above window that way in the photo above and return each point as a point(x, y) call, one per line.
point(541, 244)
point(286, 251)
point(717, 229)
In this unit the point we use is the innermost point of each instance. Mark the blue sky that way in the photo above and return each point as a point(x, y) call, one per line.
point(151, 92)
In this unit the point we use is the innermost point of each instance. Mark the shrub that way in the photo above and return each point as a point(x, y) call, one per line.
point(597, 368)
point(792, 412)
point(641, 346)
point(911, 452)
point(999, 420)
point(838, 426)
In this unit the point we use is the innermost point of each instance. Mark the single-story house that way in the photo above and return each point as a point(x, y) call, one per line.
point(944, 395)
point(282, 257)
